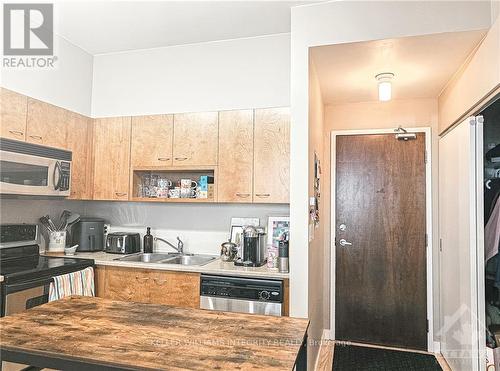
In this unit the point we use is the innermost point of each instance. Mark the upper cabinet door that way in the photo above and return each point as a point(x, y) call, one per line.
point(13, 115)
point(195, 138)
point(235, 174)
point(79, 142)
point(152, 138)
point(46, 124)
point(272, 155)
point(111, 158)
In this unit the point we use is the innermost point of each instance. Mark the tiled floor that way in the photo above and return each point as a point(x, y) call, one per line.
point(325, 361)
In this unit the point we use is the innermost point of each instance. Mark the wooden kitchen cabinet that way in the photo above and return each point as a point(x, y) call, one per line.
point(111, 158)
point(46, 124)
point(195, 138)
point(181, 289)
point(236, 136)
point(126, 284)
point(79, 142)
point(152, 140)
point(13, 110)
point(271, 155)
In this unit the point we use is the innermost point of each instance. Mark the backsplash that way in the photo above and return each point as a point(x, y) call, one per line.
point(202, 227)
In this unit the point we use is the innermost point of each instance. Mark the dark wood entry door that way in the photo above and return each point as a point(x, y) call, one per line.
point(380, 287)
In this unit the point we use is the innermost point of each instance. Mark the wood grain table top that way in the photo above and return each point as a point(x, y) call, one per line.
point(150, 336)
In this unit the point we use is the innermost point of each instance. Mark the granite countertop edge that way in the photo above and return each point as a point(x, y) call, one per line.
point(217, 267)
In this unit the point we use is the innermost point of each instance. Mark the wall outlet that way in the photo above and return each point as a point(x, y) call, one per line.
point(107, 227)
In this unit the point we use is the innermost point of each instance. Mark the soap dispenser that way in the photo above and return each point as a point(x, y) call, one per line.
point(148, 241)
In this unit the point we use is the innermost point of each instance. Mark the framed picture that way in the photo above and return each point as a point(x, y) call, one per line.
point(276, 227)
point(237, 234)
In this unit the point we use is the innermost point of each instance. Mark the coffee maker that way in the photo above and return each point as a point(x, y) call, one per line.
point(254, 247)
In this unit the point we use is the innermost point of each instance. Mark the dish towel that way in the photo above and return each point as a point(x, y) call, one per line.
point(75, 283)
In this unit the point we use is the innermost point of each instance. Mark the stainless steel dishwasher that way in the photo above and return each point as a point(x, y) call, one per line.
point(239, 294)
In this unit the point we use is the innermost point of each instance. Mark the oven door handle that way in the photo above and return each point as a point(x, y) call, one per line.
point(57, 168)
point(15, 287)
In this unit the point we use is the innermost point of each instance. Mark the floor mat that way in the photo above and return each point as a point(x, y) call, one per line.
point(356, 358)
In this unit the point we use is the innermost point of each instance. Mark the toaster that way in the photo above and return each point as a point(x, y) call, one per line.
point(123, 243)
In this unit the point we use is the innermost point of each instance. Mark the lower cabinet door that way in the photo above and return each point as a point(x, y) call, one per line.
point(127, 284)
point(180, 289)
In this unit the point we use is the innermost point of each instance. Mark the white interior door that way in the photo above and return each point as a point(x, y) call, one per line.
point(459, 169)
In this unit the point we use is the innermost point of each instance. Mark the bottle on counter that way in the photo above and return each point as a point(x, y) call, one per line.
point(148, 241)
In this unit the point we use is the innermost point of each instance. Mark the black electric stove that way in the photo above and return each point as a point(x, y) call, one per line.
point(24, 271)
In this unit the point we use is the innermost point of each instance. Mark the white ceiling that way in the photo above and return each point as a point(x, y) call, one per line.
point(422, 65)
point(113, 26)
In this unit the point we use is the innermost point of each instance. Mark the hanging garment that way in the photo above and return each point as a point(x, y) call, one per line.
point(491, 193)
point(492, 233)
point(493, 155)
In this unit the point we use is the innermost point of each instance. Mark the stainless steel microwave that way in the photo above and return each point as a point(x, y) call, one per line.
point(31, 169)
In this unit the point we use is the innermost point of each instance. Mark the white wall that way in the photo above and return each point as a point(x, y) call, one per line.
point(202, 227)
point(318, 294)
point(68, 85)
point(222, 75)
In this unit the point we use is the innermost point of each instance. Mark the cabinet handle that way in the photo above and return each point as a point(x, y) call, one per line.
point(181, 158)
point(36, 137)
point(141, 278)
point(120, 194)
point(16, 132)
point(159, 282)
point(263, 194)
point(243, 195)
point(163, 158)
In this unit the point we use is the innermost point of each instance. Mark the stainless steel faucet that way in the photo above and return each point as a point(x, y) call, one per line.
point(180, 245)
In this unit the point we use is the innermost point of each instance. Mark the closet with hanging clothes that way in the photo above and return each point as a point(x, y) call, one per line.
point(491, 193)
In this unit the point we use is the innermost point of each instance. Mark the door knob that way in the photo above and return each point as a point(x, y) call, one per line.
point(343, 242)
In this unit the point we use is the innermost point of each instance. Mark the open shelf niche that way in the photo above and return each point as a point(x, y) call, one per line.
point(155, 175)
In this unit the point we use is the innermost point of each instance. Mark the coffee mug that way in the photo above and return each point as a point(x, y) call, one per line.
point(174, 192)
point(188, 183)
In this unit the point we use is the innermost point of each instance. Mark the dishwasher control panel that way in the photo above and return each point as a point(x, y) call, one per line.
point(242, 288)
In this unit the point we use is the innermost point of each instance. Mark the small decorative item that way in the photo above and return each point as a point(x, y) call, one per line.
point(237, 238)
point(315, 199)
point(272, 257)
point(277, 227)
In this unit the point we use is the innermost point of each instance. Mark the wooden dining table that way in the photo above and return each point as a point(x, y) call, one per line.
point(88, 333)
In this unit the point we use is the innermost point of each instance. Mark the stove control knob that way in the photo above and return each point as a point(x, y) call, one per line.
point(264, 295)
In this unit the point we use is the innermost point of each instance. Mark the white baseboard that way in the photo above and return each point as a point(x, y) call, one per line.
point(327, 334)
point(437, 347)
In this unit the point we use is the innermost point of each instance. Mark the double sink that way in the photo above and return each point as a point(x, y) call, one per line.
point(171, 258)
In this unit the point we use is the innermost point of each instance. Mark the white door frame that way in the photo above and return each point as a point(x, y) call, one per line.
point(428, 206)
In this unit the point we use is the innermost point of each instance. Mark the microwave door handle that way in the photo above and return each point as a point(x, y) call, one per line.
point(57, 169)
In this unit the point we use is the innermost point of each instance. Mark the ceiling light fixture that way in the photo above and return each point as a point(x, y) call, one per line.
point(384, 86)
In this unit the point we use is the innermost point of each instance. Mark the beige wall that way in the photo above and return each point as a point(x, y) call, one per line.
point(384, 115)
point(474, 81)
point(317, 296)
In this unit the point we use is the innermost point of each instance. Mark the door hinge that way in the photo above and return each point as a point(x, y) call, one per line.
point(425, 156)
point(426, 240)
point(427, 325)
point(440, 245)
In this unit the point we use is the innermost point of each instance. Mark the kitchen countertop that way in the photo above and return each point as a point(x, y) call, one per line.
point(215, 267)
point(78, 332)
